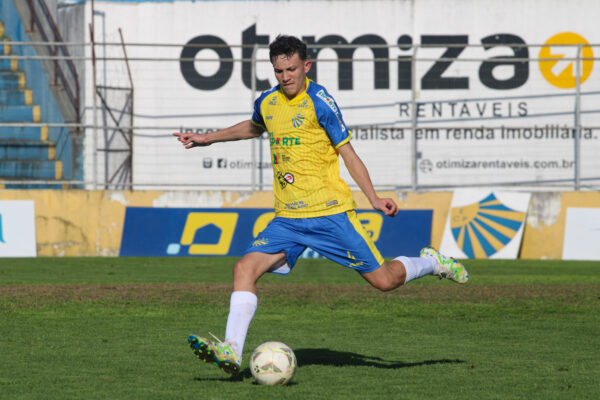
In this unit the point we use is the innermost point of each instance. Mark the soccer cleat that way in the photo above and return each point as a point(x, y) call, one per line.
point(449, 268)
point(219, 353)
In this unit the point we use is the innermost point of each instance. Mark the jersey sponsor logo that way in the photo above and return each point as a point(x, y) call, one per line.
point(331, 203)
point(329, 101)
point(288, 177)
point(304, 104)
point(282, 181)
point(296, 205)
point(298, 120)
point(273, 101)
point(284, 141)
point(269, 117)
point(280, 158)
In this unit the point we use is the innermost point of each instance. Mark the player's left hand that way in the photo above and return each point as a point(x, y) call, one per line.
point(386, 206)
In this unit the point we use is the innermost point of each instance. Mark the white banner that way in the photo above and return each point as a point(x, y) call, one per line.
point(17, 229)
point(582, 234)
point(485, 224)
point(485, 114)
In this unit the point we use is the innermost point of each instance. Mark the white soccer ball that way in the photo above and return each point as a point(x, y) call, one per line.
point(273, 363)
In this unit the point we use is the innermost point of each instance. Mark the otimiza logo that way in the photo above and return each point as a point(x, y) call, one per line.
point(563, 49)
point(508, 71)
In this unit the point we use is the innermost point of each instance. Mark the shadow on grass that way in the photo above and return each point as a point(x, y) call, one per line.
point(338, 359)
point(344, 358)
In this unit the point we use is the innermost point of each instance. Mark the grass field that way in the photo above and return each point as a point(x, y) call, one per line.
point(116, 328)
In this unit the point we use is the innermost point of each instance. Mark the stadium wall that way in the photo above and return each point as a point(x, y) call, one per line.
point(90, 223)
point(480, 120)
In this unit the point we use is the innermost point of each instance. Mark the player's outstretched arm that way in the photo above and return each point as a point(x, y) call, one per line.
point(359, 173)
point(240, 131)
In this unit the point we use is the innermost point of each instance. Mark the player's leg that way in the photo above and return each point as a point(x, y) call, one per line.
point(227, 354)
point(402, 270)
point(273, 250)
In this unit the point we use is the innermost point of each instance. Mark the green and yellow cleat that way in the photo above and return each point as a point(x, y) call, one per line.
point(449, 268)
point(219, 353)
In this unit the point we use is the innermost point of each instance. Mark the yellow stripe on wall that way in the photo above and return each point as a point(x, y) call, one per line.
point(58, 170)
point(36, 113)
point(21, 80)
point(44, 133)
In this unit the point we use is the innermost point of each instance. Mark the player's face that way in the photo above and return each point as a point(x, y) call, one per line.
point(291, 74)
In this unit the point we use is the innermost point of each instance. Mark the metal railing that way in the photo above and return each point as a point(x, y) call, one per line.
point(412, 124)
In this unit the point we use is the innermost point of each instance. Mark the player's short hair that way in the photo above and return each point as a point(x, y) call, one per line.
point(288, 45)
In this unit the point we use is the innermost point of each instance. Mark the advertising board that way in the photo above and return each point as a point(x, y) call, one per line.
point(185, 232)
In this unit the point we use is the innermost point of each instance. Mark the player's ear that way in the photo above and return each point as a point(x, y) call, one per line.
point(307, 65)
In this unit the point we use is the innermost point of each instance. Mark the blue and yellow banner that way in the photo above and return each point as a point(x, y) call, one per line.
point(185, 232)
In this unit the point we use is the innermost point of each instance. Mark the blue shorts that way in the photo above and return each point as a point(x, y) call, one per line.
point(340, 238)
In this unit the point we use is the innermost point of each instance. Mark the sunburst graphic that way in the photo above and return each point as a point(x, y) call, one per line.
point(484, 228)
point(298, 120)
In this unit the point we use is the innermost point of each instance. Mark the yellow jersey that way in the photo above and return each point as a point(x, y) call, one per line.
point(304, 135)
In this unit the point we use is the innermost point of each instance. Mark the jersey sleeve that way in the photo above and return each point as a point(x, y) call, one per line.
point(257, 118)
point(330, 118)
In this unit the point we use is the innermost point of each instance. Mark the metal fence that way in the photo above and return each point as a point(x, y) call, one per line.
point(423, 116)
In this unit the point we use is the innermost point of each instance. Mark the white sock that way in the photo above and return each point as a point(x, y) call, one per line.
point(417, 267)
point(241, 311)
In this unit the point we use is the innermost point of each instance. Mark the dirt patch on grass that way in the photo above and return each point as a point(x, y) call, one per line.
point(39, 296)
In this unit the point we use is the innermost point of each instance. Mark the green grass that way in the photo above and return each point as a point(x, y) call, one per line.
point(111, 328)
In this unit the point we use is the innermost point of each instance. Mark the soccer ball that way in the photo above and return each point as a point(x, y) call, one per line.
point(273, 363)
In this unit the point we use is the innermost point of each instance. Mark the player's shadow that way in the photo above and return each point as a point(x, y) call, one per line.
point(338, 359)
point(344, 358)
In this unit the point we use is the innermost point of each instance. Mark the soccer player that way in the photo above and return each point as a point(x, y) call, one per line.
point(313, 205)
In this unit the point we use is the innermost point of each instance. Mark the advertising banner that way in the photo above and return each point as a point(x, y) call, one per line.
point(17, 229)
point(582, 234)
point(185, 232)
point(485, 224)
point(493, 96)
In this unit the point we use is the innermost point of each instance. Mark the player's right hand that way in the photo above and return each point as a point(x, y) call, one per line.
point(190, 140)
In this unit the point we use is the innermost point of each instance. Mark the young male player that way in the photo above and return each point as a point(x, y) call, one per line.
point(313, 205)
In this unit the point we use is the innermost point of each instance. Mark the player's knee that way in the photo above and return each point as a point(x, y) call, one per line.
point(384, 285)
point(385, 279)
point(243, 269)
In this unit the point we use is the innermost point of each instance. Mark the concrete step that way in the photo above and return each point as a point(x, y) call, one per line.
point(19, 113)
point(16, 97)
point(12, 80)
point(27, 150)
point(30, 169)
point(24, 133)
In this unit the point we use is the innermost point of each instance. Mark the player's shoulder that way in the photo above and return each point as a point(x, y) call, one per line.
point(266, 93)
point(321, 97)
